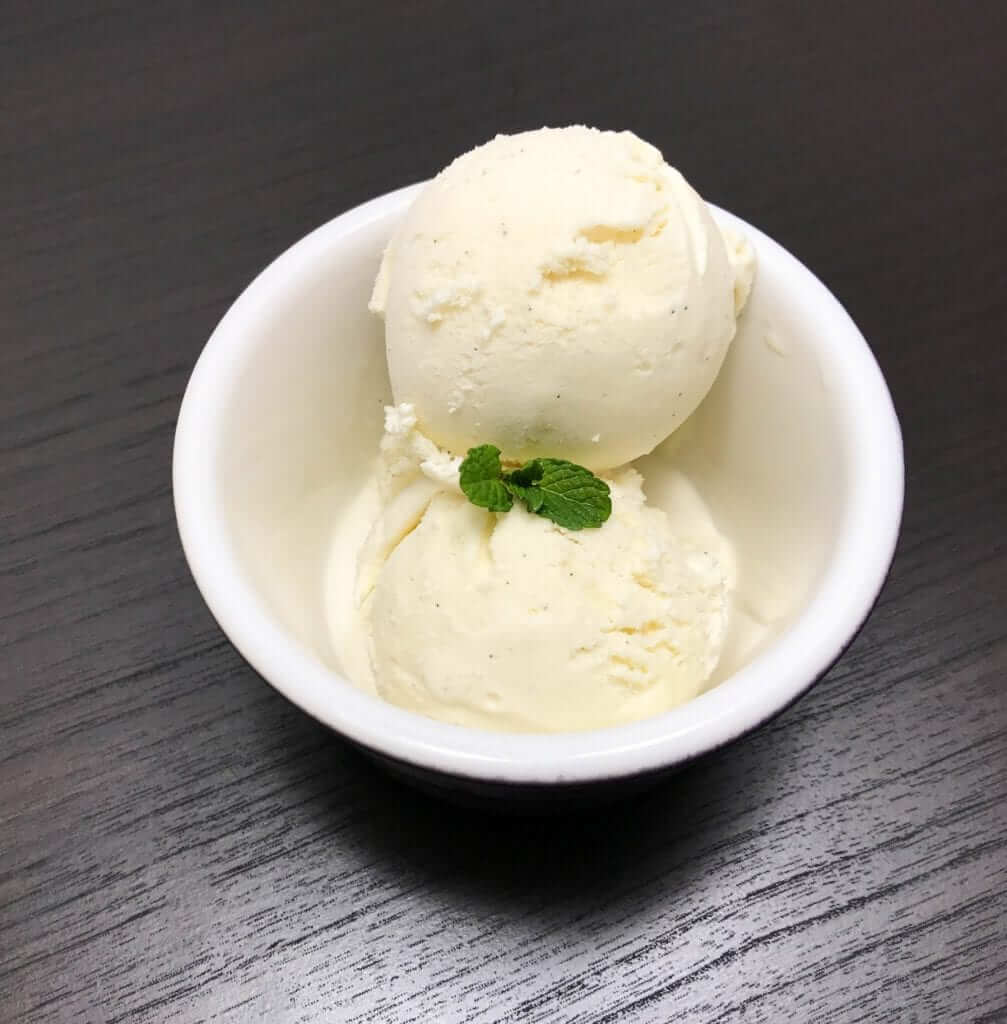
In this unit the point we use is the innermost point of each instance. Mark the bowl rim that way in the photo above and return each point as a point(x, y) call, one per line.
point(775, 678)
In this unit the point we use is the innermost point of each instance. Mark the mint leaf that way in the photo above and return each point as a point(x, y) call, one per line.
point(531, 496)
point(479, 477)
point(530, 473)
point(521, 483)
point(572, 496)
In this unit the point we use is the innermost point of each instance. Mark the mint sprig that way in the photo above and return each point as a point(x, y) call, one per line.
point(568, 494)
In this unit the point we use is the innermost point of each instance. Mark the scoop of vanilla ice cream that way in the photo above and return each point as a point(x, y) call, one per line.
point(560, 292)
point(510, 622)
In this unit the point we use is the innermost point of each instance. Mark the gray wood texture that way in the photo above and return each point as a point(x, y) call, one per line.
point(177, 843)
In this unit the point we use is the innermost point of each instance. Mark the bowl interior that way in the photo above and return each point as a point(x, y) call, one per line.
point(303, 416)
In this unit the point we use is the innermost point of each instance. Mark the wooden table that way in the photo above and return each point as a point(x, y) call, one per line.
point(177, 843)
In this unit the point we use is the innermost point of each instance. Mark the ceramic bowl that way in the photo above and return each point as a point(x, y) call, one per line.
point(796, 451)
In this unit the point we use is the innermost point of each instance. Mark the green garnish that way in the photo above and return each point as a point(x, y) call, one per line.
point(568, 494)
point(481, 479)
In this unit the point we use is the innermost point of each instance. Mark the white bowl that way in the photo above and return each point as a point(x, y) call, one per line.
point(796, 450)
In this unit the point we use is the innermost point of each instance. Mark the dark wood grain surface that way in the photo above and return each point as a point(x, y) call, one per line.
point(179, 844)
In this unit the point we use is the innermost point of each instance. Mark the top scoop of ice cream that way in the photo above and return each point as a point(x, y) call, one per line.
point(560, 292)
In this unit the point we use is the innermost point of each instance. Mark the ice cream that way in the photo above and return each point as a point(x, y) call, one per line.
point(561, 292)
point(511, 622)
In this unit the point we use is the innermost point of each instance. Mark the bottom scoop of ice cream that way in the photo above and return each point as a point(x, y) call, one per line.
point(510, 622)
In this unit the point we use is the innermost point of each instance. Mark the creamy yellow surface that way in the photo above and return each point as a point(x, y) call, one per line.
point(560, 292)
